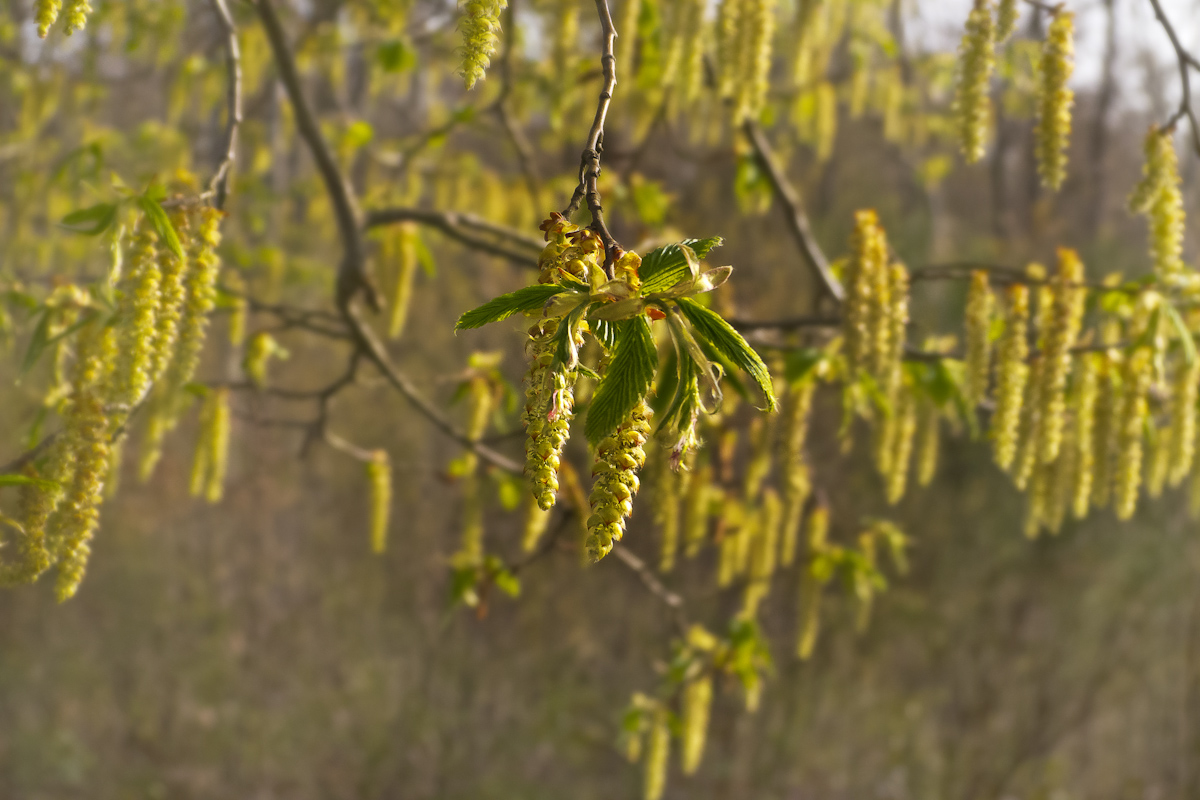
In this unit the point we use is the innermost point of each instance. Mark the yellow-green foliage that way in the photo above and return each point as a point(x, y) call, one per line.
point(618, 459)
point(980, 302)
point(1011, 375)
point(480, 26)
point(1158, 197)
point(379, 480)
point(1055, 99)
point(976, 61)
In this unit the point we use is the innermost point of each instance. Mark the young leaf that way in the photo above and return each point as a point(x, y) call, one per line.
point(37, 342)
point(668, 265)
point(530, 298)
point(91, 221)
point(627, 380)
point(711, 326)
point(25, 480)
point(162, 224)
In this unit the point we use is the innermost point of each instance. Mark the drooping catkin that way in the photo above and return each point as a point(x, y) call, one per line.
point(1062, 483)
point(976, 61)
point(658, 753)
point(1053, 129)
point(1086, 393)
point(75, 14)
point(379, 482)
point(867, 261)
point(138, 312)
point(1106, 430)
point(172, 297)
point(1011, 375)
point(794, 471)
point(45, 13)
point(549, 407)
point(696, 507)
point(690, 35)
point(199, 284)
point(1137, 376)
point(728, 29)
point(758, 465)
point(928, 441)
point(402, 252)
point(261, 348)
point(37, 502)
point(813, 578)
point(1159, 462)
point(764, 552)
point(666, 510)
point(1158, 197)
point(239, 308)
point(211, 459)
point(1065, 319)
point(980, 302)
point(1183, 421)
point(87, 436)
point(627, 31)
point(1028, 431)
point(901, 446)
point(479, 411)
point(618, 459)
point(757, 26)
point(1006, 20)
point(534, 522)
point(696, 703)
point(480, 26)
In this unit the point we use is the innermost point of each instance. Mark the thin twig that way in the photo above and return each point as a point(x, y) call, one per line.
point(796, 218)
point(219, 185)
point(1187, 62)
point(646, 575)
point(455, 224)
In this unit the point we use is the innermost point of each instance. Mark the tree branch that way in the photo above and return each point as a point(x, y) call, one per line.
point(218, 187)
point(1187, 62)
point(455, 225)
point(796, 218)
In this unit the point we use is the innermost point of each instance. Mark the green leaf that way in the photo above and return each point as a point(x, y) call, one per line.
point(500, 308)
point(668, 265)
point(162, 224)
point(711, 326)
point(25, 480)
point(91, 221)
point(37, 342)
point(627, 380)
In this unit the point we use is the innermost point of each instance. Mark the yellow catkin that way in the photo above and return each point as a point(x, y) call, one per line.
point(758, 465)
point(199, 285)
point(928, 441)
point(690, 35)
point(729, 27)
point(757, 26)
point(1062, 484)
point(868, 259)
point(45, 13)
point(1028, 431)
point(627, 31)
point(666, 510)
point(87, 433)
point(379, 483)
point(695, 508)
point(1106, 430)
point(696, 705)
point(261, 348)
point(1011, 375)
point(976, 61)
point(210, 460)
point(1158, 196)
point(549, 409)
point(480, 26)
point(826, 121)
point(809, 27)
point(901, 446)
point(479, 412)
point(37, 503)
point(402, 252)
point(618, 459)
point(239, 308)
point(794, 471)
point(1006, 20)
point(658, 753)
point(812, 582)
point(172, 298)
point(139, 310)
point(1065, 319)
point(764, 552)
point(1084, 404)
point(896, 321)
point(1183, 421)
point(980, 302)
point(1053, 129)
point(75, 14)
point(1159, 462)
point(1138, 373)
point(534, 523)
point(1038, 498)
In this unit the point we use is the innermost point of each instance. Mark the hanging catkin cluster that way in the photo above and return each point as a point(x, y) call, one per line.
point(976, 61)
point(1158, 197)
point(1065, 319)
point(480, 26)
point(139, 307)
point(74, 14)
point(756, 26)
point(1055, 99)
point(619, 458)
point(1012, 373)
point(868, 296)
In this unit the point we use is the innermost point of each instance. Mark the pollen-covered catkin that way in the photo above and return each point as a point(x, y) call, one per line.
point(812, 580)
point(45, 13)
point(1158, 196)
point(75, 14)
point(171, 299)
point(696, 508)
point(534, 523)
point(379, 481)
point(1086, 393)
point(901, 446)
point(729, 28)
point(976, 61)
point(37, 503)
point(200, 295)
point(867, 261)
point(87, 432)
point(1011, 375)
point(139, 310)
point(757, 26)
point(696, 702)
point(1006, 20)
point(928, 440)
point(666, 510)
point(480, 26)
point(1055, 99)
point(1183, 421)
point(239, 309)
point(401, 251)
point(618, 459)
point(210, 461)
point(1065, 319)
point(1028, 431)
point(1106, 431)
point(794, 472)
point(978, 333)
point(1159, 462)
point(548, 412)
point(689, 73)
point(1138, 374)
point(658, 753)
point(764, 552)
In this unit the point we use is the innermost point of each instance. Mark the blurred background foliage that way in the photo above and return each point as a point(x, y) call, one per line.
point(257, 648)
